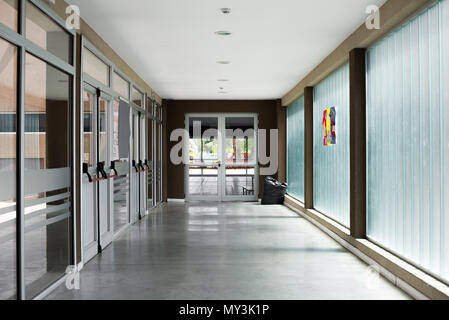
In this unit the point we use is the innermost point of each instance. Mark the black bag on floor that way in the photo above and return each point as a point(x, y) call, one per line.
point(273, 191)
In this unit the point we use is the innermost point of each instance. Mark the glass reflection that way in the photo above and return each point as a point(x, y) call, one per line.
point(47, 34)
point(8, 13)
point(89, 105)
point(8, 105)
point(47, 176)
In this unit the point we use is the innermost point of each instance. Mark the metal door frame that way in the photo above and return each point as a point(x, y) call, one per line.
point(110, 186)
point(24, 46)
point(87, 87)
point(240, 198)
point(221, 164)
point(187, 166)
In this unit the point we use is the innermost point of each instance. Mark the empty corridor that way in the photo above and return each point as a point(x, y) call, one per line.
point(226, 251)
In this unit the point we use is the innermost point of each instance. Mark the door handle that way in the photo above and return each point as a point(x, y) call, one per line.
point(86, 171)
point(113, 169)
point(145, 163)
point(134, 166)
point(100, 170)
point(141, 166)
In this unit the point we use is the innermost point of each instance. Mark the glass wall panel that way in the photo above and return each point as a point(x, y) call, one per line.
point(150, 156)
point(203, 156)
point(136, 136)
point(95, 67)
point(151, 107)
point(47, 176)
point(121, 183)
point(115, 134)
point(295, 149)
point(331, 145)
point(47, 34)
point(159, 162)
point(408, 140)
point(158, 111)
point(8, 110)
point(240, 155)
point(103, 145)
point(136, 97)
point(202, 149)
point(9, 13)
point(121, 86)
point(88, 125)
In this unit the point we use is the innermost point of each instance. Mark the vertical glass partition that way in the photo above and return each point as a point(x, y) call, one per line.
point(408, 140)
point(331, 145)
point(8, 168)
point(295, 149)
point(150, 156)
point(47, 175)
point(120, 154)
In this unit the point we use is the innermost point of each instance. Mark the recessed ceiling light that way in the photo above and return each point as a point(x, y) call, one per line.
point(223, 62)
point(221, 88)
point(225, 10)
point(222, 80)
point(223, 33)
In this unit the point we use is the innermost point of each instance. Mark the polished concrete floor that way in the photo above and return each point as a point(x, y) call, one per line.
point(227, 251)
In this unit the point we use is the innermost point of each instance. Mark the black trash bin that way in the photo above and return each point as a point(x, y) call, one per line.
point(273, 191)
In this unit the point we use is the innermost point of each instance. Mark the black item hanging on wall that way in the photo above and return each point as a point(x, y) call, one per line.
point(273, 191)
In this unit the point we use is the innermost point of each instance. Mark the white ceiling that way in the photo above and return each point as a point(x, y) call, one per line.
point(171, 43)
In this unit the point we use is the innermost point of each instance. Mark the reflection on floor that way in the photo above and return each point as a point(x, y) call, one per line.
point(226, 251)
point(208, 185)
point(121, 215)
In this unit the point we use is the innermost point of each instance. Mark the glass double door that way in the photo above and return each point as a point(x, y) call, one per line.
point(99, 172)
point(221, 164)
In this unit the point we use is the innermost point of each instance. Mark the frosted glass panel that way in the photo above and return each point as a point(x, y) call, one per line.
point(408, 140)
point(295, 149)
point(331, 161)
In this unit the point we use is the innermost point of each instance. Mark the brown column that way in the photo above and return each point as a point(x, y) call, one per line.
point(308, 147)
point(282, 141)
point(165, 151)
point(357, 126)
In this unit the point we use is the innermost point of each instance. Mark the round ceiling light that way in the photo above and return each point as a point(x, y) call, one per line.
point(225, 10)
point(223, 33)
point(223, 62)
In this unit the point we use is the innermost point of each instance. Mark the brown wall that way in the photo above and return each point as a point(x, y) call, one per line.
point(176, 109)
point(282, 141)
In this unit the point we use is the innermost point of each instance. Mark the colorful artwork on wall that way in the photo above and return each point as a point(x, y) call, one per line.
point(329, 121)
